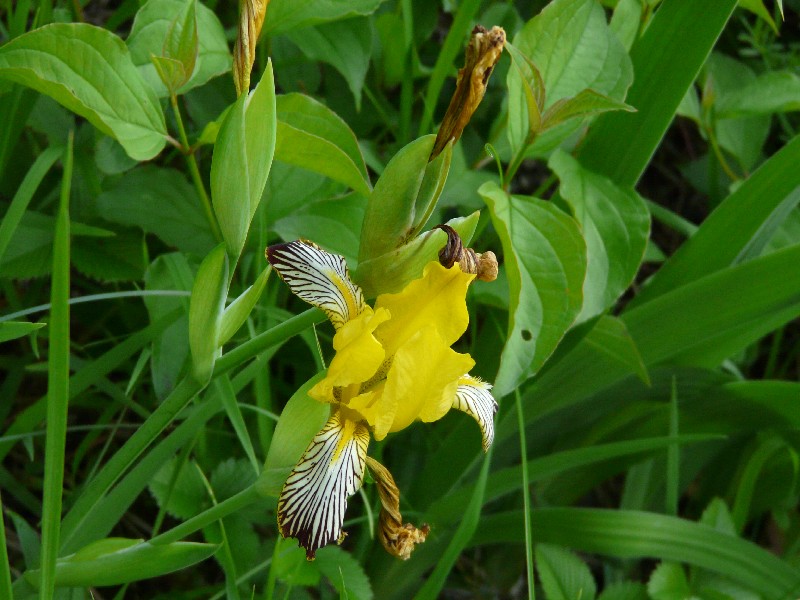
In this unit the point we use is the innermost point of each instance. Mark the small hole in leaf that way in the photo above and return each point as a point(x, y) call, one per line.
point(526, 335)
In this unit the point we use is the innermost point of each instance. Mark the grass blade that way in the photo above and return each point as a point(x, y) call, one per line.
point(526, 497)
point(632, 534)
point(57, 386)
point(621, 144)
point(24, 194)
point(5, 567)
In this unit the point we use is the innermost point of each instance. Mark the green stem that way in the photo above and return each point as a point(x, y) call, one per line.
point(57, 388)
point(516, 162)
point(195, 172)
point(526, 500)
point(235, 503)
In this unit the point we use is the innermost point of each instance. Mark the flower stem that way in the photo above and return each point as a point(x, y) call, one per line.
point(523, 450)
point(194, 171)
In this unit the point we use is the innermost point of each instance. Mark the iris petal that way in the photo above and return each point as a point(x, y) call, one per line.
point(318, 277)
point(435, 301)
point(423, 380)
point(473, 397)
point(313, 501)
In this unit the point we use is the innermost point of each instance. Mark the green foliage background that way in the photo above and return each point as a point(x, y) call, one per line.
point(635, 169)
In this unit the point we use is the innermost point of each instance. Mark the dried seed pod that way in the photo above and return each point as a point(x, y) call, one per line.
point(483, 265)
point(482, 53)
point(397, 538)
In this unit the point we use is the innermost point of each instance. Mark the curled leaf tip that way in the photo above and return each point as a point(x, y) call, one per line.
point(483, 52)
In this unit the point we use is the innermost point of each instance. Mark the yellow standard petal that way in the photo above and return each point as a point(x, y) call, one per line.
point(423, 380)
point(436, 301)
point(358, 354)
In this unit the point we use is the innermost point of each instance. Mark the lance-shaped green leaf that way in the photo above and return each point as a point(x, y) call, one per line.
point(175, 65)
point(776, 91)
point(239, 309)
point(616, 225)
point(11, 330)
point(242, 160)
point(389, 273)
point(116, 561)
point(205, 312)
point(89, 71)
point(312, 136)
point(545, 259)
point(154, 27)
point(390, 219)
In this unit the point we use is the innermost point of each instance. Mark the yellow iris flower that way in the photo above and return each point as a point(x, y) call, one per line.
point(393, 366)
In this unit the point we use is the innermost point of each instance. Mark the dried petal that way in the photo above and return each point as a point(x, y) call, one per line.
point(244, 53)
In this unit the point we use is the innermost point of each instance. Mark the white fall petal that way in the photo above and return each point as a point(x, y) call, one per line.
point(473, 397)
point(313, 501)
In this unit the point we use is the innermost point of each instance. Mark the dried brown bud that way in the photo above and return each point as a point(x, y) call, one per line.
point(484, 265)
point(482, 54)
point(244, 53)
point(397, 538)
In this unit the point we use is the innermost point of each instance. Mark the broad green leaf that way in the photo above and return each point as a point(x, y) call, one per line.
point(718, 516)
point(11, 330)
point(89, 71)
point(563, 575)
point(668, 582)
point(345, 573)
point(390, 216)
point(162, 202)
point(389, 273)
point(287, 15)
point(573, 48)
point(205, 312)
point(346, 45)
point(620, 145)
point(312, 136)
point(616, 227)
point(772, 92)
point(333, 223)
point(238, 310)
point(176, 62)
point(629, 534)
point(739, 228)
point(293, 568)
point(180, 493)
point(626, 21)
point(624, 590)
point(153, 29)
point(545, 259)
point(115, 561)
point(300, 421)
point(585, 103)
point(242, 159)
point(111, 258)
point(170, 348)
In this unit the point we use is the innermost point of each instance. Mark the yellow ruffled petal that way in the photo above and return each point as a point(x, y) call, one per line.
point(422, 380)
point(436, 301)
point(376, 408)
point(358, 354)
